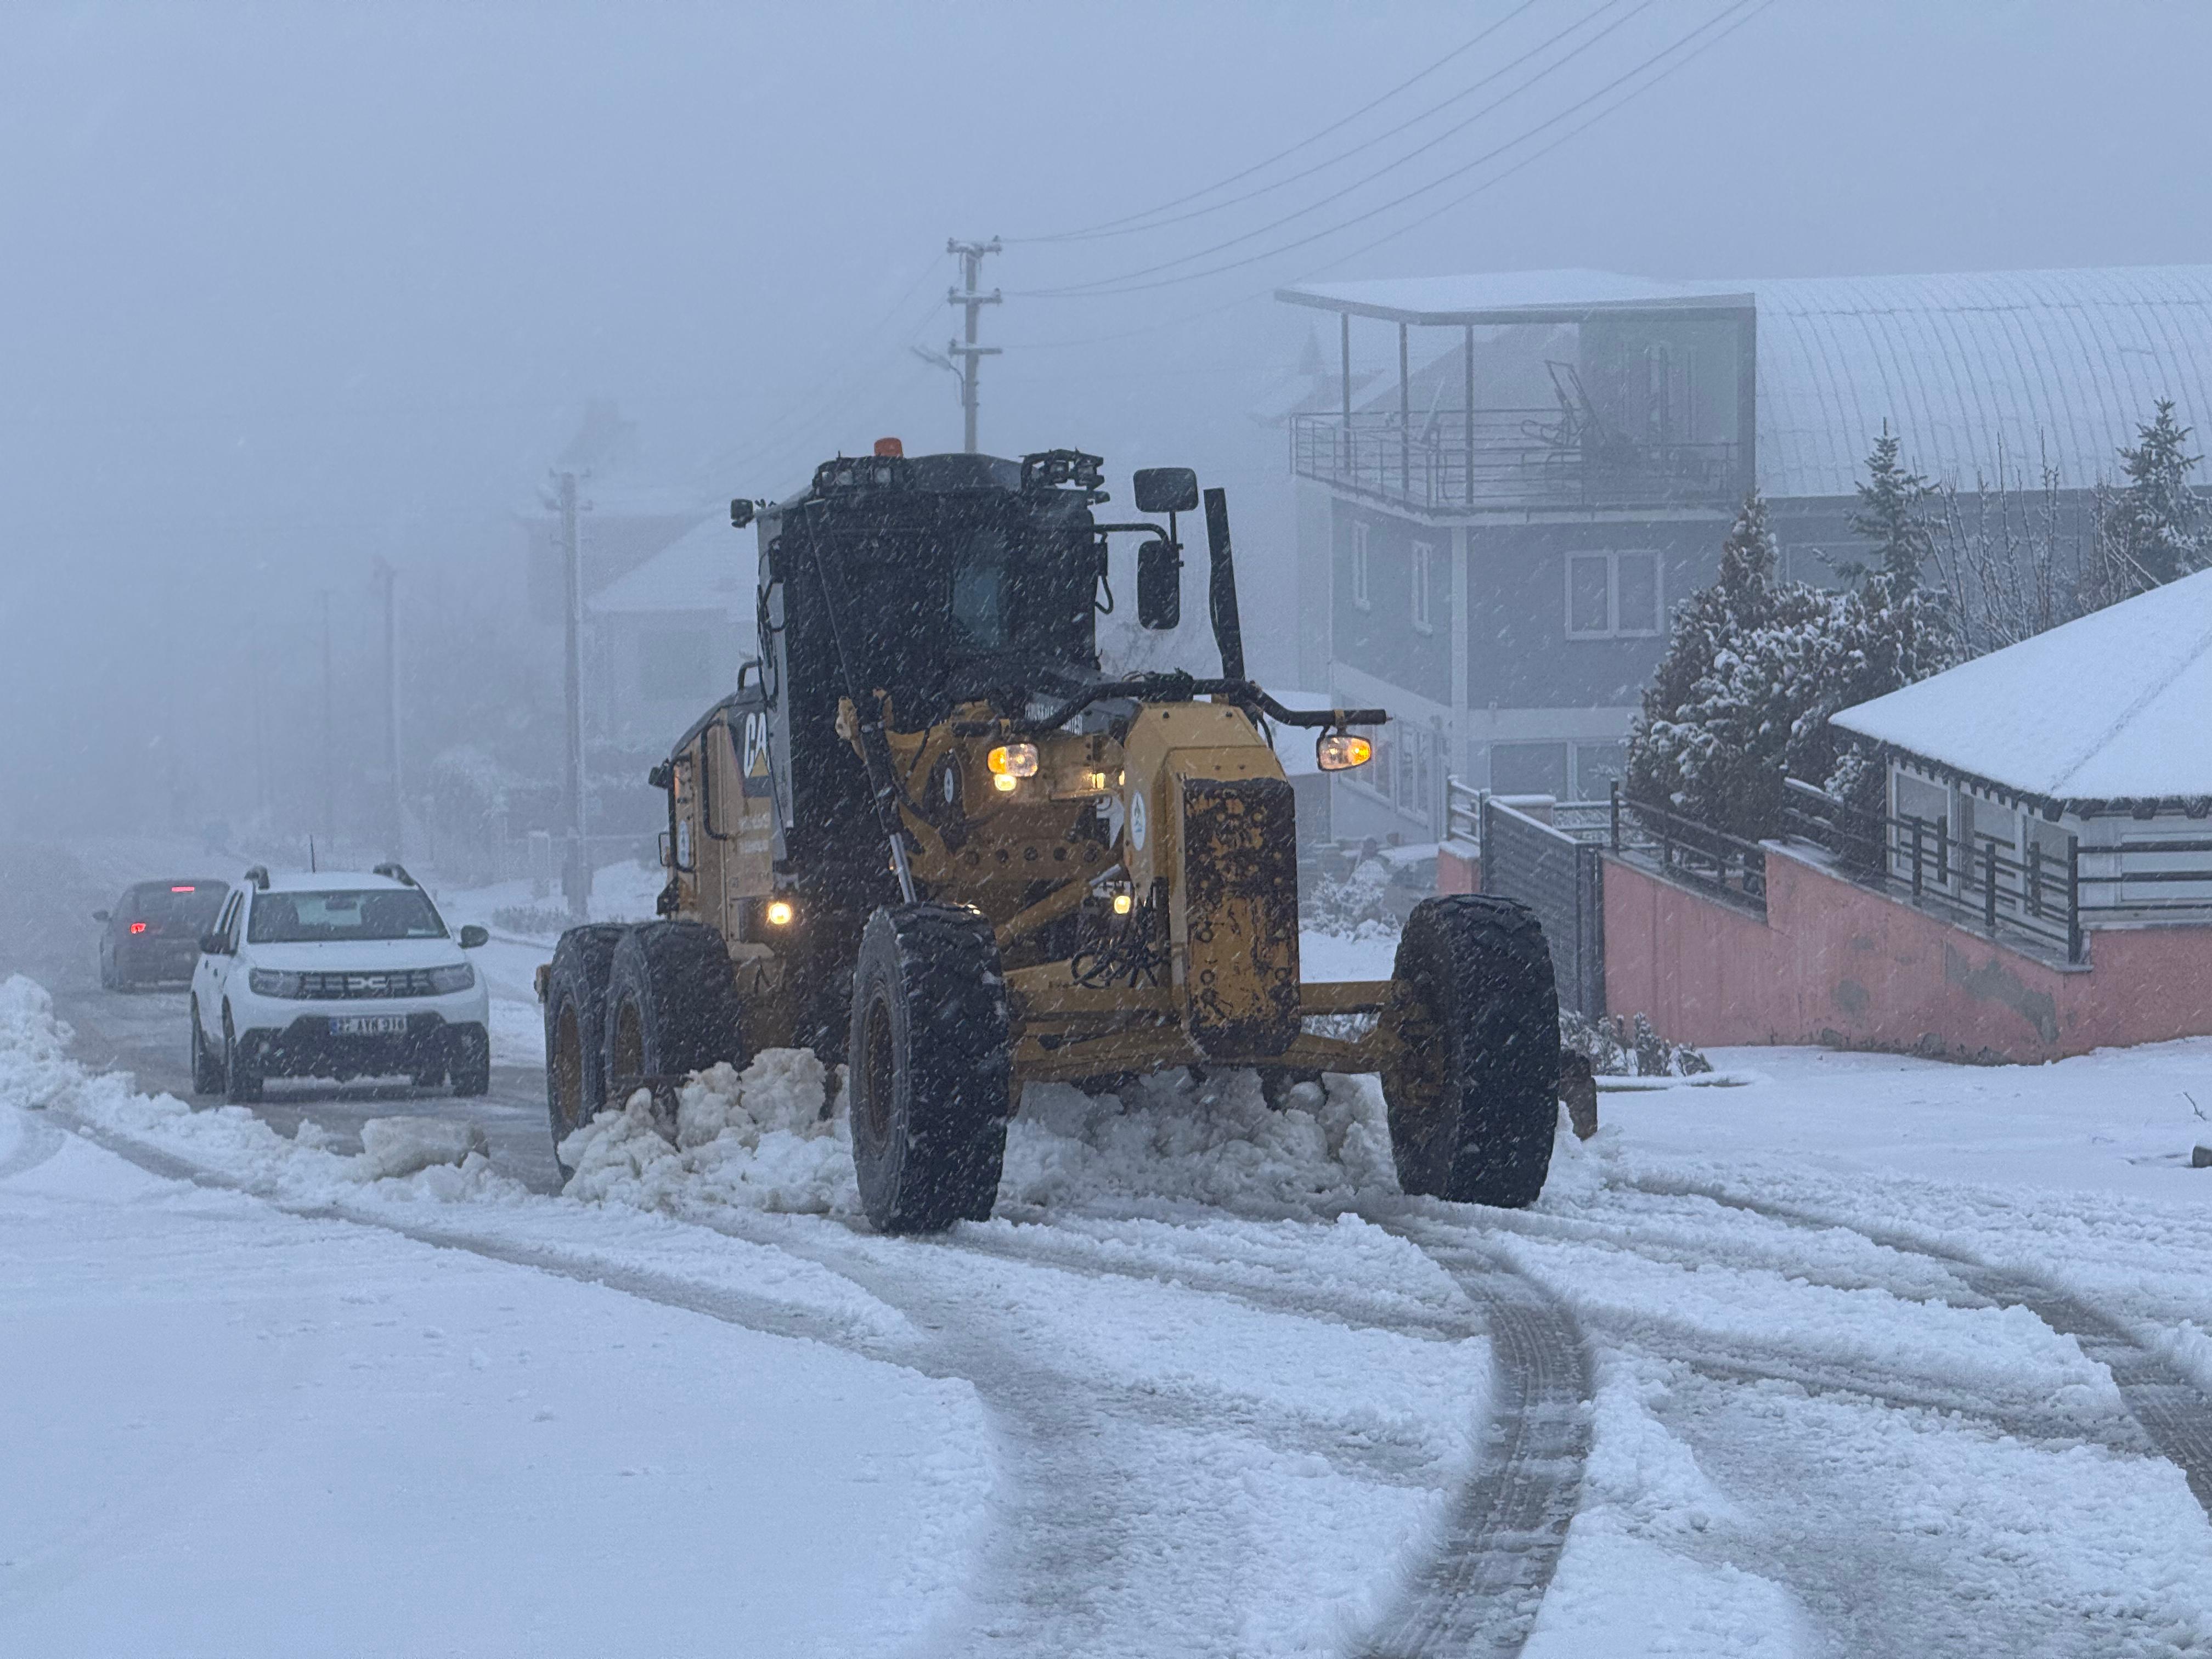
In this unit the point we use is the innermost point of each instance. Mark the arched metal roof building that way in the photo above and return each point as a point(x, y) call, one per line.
point(2056, 368)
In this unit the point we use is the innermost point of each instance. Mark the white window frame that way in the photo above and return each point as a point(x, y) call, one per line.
point(1359, 594)
point(1424, 560)
point(1612, 629)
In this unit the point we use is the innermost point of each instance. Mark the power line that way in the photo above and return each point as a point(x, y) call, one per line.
point(1110, 284)
point(1123, 284)
point(1501, 176)
point(1410, 121)
point(1250, 295)
point(1113, 227)
point(857, 360)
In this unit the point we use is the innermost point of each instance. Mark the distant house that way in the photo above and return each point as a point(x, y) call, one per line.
point(2096, 735)
point(1490, 539)
point(667, 638)
point(2039, 886)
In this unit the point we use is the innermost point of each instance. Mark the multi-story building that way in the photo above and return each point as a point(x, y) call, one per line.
point(1491, 546)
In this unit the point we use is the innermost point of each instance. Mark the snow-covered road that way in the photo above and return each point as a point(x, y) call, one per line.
point(1863, 1355)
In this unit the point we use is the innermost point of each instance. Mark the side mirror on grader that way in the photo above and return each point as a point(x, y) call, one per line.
point(1166, 489)
point(933, 839)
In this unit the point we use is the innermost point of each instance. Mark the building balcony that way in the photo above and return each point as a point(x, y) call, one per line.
point(1509, 458)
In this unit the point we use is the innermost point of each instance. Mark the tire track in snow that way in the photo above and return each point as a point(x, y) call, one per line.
point(1074, 1561)
point(2174, 1415)
point(1481, 1588)
point(766, 1314)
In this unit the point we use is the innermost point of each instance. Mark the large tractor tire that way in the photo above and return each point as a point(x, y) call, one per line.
point(1473, 1081)
point(929, 1058)
point(575, 1028)
point(671, 1004)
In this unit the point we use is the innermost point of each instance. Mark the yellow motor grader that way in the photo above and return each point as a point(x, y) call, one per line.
point(926, 836)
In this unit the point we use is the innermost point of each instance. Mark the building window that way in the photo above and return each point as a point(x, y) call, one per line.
point(1528, 769)
point(1614, 595)
point(1424, 565)
point(1360, 566)
point(1598, 767)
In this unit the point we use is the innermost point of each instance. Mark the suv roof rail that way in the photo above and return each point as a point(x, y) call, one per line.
point(397, 871)
point(258, 875)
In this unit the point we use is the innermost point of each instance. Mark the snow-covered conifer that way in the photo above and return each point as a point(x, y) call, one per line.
point(1891, 516)
point(1718, 715)
point(2155, 527)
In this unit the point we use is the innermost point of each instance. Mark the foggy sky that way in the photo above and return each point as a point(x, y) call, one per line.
point(284, 289)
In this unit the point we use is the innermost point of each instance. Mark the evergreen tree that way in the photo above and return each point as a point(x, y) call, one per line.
point(2155, 527)
point(1709, 739)
point(1884, 636)
point(1891, 516)
point(1754, 668)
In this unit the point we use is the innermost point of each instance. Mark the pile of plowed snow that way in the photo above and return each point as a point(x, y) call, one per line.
point(762, 1139)
point(776, 1137)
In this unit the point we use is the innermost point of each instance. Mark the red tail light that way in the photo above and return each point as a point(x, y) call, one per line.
point(137, 926)
point(183, 890)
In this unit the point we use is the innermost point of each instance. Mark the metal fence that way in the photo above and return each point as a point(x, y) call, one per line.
point(1510, 456)
point(1727, 866)
point(2048, 895)
point(1556, 872)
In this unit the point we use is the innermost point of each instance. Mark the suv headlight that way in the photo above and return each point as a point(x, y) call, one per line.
point(272, 982)
point(444, 982)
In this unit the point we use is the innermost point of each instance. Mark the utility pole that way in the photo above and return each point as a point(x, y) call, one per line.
point(329, 736)
point(389, 578)
point(971, 270)
point(575, 865)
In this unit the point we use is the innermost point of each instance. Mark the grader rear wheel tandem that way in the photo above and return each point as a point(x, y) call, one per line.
point(928, 837)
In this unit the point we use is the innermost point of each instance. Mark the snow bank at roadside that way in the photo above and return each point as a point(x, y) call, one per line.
point(775, 1138)
point(36, 1071)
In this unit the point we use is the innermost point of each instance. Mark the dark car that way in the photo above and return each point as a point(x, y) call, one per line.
point(153, 934)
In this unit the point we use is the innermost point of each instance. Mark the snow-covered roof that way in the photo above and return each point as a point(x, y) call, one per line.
point(710, 567)
point(1976, 370)
point(2114, 705)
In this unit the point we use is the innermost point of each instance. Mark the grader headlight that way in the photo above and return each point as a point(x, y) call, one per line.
point(779, 913)
point(1340, 751)
point(1013, 760)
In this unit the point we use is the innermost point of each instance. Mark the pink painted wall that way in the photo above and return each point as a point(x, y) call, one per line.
point(1456, 872)
point(1834, 964)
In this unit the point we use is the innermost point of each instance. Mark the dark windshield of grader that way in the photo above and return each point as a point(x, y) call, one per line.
point(957, 588)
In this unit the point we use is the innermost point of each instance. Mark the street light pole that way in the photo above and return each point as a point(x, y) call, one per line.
point(575, 866)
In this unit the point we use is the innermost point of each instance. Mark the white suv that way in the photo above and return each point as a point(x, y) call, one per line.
point(340, 975)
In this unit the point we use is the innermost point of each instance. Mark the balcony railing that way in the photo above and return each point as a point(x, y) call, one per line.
point(1507, 458)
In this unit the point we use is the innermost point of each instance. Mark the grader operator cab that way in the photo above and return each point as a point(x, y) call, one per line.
point(928, 836)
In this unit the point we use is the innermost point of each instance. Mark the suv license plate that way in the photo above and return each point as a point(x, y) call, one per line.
point(370, 1025)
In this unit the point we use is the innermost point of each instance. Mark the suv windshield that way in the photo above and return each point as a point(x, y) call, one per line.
point(309, 918)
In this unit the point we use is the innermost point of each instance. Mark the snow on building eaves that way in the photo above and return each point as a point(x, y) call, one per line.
point(2115, 705)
